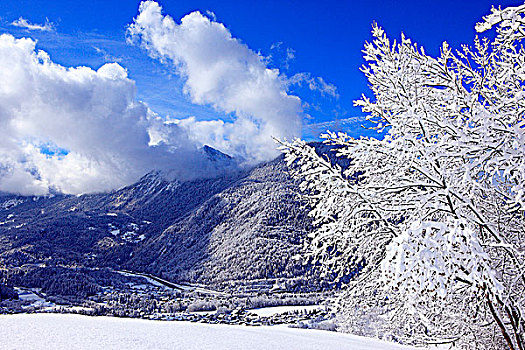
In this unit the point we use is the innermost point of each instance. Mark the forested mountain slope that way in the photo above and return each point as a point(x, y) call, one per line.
point(251, 230)
point(242, 225)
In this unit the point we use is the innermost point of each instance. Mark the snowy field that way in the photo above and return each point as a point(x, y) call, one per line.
point(56, 331)
point(269, 311)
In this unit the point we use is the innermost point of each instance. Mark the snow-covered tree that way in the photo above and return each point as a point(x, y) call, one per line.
point(431, 217)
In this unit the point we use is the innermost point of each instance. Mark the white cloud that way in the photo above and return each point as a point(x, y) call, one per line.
point(106, 56)
point(77, 130)
point(94, 115)
point(280, 55)
point(211, 15)
point(219, 70)
point(354, 126)
point(24, 23)
point(340, 123)
point(315, 84)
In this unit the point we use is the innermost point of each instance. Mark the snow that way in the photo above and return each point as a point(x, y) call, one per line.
point(36, 301)
point(27, 295)
point(6, 222)
point(189, 288)
point(61, 331)
point(269, 311)
point(201, 290)
point(150, 280)
point(11, 203)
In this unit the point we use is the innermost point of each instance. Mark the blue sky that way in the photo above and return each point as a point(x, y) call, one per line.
point(325, 37)
point(121, 89)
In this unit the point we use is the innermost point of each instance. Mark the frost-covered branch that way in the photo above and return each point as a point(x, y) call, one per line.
point(432, 214)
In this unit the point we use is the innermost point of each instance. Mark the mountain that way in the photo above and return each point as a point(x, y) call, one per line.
point(240, 225)
point(98, 228)
point(250, 230)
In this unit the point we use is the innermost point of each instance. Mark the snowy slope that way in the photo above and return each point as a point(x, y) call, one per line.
point(248, 231)
point(56, 331)
point(240, 229)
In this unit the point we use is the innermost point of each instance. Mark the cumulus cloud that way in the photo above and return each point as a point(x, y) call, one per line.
point(211, 15)
point(24, 23)
point(76, 130)
point(221, 71)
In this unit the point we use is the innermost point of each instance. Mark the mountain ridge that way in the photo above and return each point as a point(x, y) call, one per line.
point(244, 224)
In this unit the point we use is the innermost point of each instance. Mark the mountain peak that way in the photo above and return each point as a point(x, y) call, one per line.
point(215, 155)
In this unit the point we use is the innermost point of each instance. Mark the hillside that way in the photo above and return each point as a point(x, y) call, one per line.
point(242, 225)
point(250, 230)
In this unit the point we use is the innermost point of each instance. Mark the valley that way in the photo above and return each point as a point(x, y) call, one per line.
point(209, 250)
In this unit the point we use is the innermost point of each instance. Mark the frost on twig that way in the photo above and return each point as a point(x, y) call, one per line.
point(431, 217)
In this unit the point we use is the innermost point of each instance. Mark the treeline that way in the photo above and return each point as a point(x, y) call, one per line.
point(128, 304)
point(78, 283)
point(7, 292)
